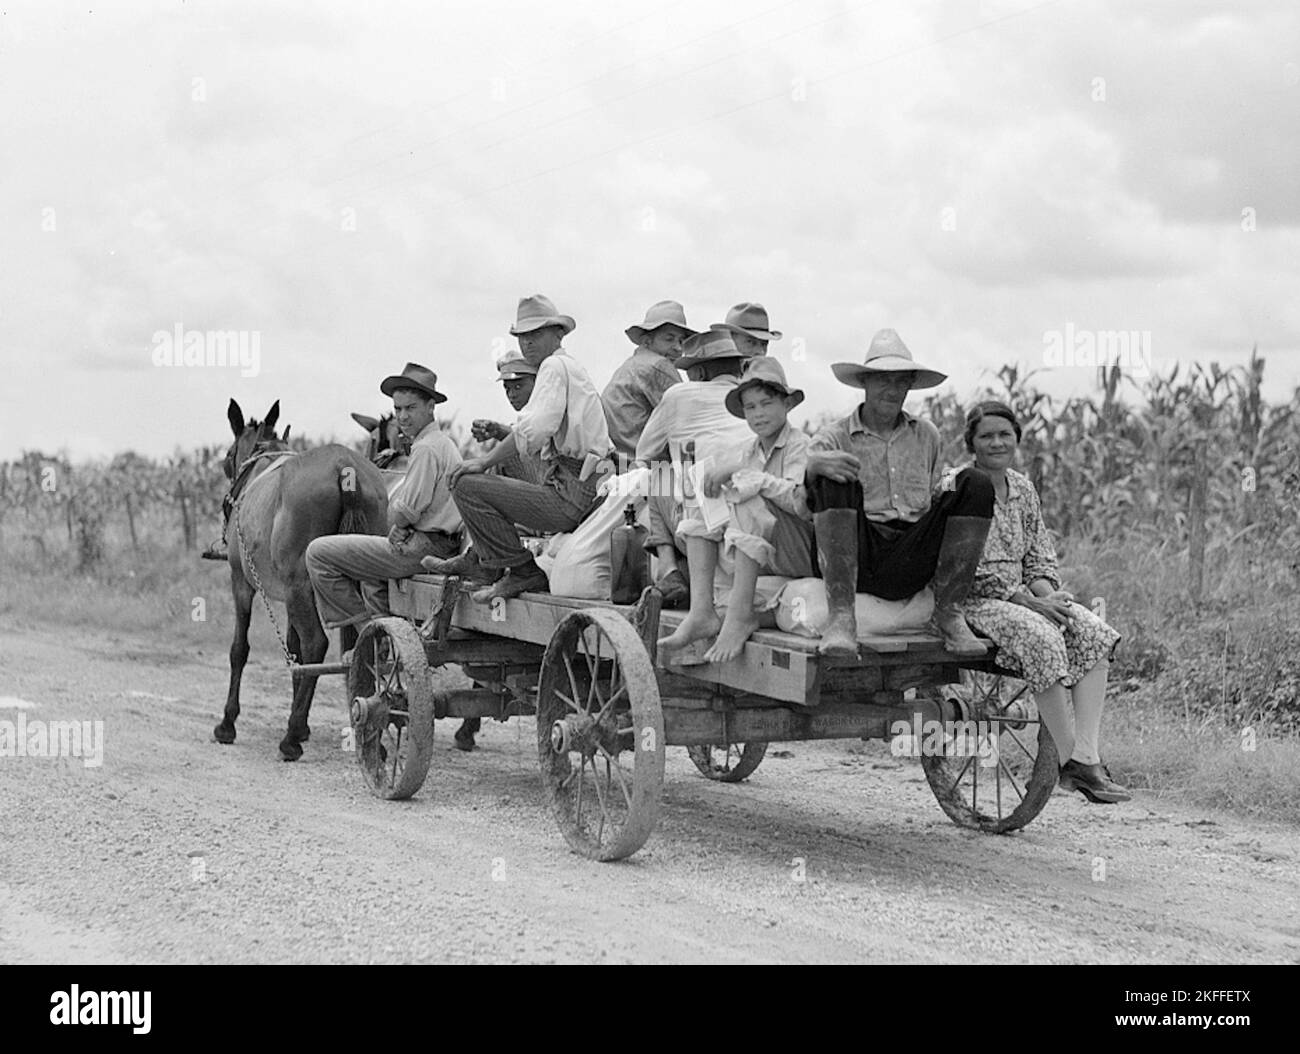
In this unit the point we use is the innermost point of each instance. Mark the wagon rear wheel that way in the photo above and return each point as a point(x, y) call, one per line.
point(998, 776)
point(600, 735)
point(727, 763)
point(392, 708)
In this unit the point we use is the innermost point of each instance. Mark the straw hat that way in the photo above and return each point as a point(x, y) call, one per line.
point(887, 354)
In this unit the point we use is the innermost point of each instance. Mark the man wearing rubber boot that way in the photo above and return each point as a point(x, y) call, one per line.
point(870, 481)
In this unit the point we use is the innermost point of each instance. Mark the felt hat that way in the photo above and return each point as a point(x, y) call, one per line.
point(887, 354)
point(707, 346)
point(751, 319)
point(664, 313)
point(537, 311)
point(762, 369)
point(415, 376)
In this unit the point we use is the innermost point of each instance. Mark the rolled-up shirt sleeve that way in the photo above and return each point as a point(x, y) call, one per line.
point(540, 420)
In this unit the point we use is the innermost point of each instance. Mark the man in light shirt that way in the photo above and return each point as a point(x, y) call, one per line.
point(564, 421)
point(350, 572)
point(690, 423)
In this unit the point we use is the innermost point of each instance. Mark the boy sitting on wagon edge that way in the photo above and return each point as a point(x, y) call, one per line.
point(770, 528)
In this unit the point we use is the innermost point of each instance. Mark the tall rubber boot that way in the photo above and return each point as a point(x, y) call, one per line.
point(837, 553)
point(959, 556)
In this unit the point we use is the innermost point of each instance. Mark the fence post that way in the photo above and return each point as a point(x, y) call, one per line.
point(1196, 524)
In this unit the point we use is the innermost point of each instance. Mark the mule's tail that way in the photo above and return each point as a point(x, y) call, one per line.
point(352, 519)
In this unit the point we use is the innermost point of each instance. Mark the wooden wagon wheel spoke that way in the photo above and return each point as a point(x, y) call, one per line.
point(609, 703)
point(618, 769)
point(1015, 785)
point(960, 775)
point(573, 683)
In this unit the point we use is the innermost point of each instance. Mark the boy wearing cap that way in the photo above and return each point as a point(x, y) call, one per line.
point(640, 381)
point(870, 479)
point(565, 423)
point(350, 572)
point(690, 423)
point(749, 328)
point(769, 530)
point(517, 377)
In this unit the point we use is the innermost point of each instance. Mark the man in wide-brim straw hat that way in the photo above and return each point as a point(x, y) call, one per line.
point(350, 572)
point(869, 481)
point(749, 328)
point(690, 423)
point(565, 423)
point(640, 380)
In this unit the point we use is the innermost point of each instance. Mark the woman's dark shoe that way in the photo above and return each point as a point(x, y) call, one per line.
point(1093, 782)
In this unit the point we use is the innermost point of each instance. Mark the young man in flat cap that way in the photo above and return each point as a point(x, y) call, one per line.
point(870, 479)
point(640, 381)
point(518, 377)
point(564, 422)
point(350, 572)
point(749, 328)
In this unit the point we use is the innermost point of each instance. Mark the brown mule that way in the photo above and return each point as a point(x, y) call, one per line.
point(278, 512)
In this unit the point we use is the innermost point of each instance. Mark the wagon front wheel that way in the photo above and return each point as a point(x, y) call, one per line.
point(997, 772)
point(729, 762)
point(600, 735)
point(392, 708)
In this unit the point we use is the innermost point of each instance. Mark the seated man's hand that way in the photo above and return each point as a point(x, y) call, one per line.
point(482, 430)
point(714, 480)
point(838, 466)
point(474, 466)
point(398, 537)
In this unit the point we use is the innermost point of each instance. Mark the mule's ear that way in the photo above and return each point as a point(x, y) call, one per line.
point(272, 415)
point(368, 423)
point(285, 437)
point(236, 418)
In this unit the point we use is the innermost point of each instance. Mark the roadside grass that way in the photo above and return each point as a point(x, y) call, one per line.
point(1204, 705)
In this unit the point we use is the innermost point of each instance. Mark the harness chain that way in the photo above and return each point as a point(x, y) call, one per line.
point(246, 555)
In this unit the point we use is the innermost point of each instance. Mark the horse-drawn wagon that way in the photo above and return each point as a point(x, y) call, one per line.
point(607, 706)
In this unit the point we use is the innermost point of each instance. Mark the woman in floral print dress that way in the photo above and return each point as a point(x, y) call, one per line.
point(1059, 647)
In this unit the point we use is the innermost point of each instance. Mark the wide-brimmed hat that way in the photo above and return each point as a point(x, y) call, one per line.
point(415, 376)
point(887, 354)
point(706, 347)
point(537, 311)
point(664, 313)
point(512, 367)
point(751, 319)
point(762, 370)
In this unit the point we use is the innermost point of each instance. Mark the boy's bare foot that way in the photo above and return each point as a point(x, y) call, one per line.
point(736, 629)
point(695, 626)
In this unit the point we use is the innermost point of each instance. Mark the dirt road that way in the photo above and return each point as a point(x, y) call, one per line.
point(177, 849)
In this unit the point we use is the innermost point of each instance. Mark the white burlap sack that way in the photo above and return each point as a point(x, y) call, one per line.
point(802, 609)
point(580, 566)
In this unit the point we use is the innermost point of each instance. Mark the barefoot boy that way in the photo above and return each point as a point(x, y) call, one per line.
point(770, 528)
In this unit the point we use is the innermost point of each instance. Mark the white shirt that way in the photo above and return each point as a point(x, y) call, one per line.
point(564, 414)
point(694, 410)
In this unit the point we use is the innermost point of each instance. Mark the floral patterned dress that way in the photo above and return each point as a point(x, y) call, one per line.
point(1018, 551)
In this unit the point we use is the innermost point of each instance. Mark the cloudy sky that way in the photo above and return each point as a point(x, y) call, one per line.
point(356, 185)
